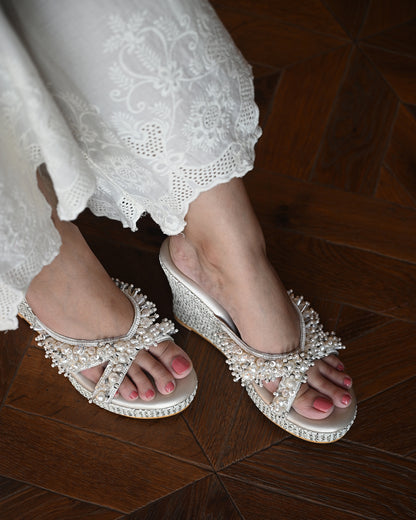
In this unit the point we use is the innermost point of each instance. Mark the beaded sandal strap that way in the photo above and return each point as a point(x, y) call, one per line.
point(250, 366)
point(72, 355)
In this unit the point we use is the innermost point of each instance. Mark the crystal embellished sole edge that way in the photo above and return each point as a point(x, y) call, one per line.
point(137, 413)
point(196, 316)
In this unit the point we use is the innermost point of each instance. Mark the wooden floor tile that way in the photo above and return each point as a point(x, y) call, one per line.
point(311, 15)
point(390, 189)
point(96, 469)
point(12, 348)
point(349, 14)
point(266, 80)
point(330, 475)
point(205, 499)
point(401, 154)
point(399, 71)
point(265, 40)
point(384, 14)
point(334, 215)
point(32, 503)
point(214, 409)
point(354, 322)
point(39, 389)
point(268, 504)
point(388, 421)
point(382, 359)
point(372, 282)
point(300, 113)
point(400, 39)
point(356, 138)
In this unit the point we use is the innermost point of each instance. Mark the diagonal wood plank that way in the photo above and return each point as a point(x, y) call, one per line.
point(336, 216)
point(382, 359)
point(401, 154)
point(399, 71)
point(351, 15)
point(400, 39)
point(268, 41)
point(388, 421)
point(354, 323)
point(97, 469)
point(390, 189)
point(300, 113)
point(369, 281)
point(311, 14)
point(387, 13)
point(33, 503)
point(268, 504)
point(205, 499)
point(39, 389)
point(349, 477)
point(358, 131)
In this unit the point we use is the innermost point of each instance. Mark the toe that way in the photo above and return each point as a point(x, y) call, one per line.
point(142, 384)
point(163, 379)
point(331, 383)
point(94, 373)
point(312, 404)
point(173, 358)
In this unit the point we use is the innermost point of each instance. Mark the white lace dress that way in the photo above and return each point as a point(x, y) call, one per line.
point(134, 106)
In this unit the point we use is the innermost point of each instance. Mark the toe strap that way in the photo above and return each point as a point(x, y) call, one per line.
point(250, 366)
point(124, 354)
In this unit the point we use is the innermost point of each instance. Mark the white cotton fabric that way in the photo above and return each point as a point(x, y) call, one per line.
point(134, 106)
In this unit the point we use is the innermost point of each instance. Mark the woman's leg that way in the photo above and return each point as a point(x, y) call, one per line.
point(223, 250)
point(75, 296)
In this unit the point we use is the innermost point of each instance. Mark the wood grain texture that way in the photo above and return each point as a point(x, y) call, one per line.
point(300, 113)
point(391, 190)
point(97, 469)
point(39, 389)
point(369, 281)
point(33, 503)
point(333, 215)
point(387, 421)
point(12, 348)
point(309, 14)
point(268, 41)
point(400, 39)
point(399, 71)
point(382, 359)
point(384, 14)
point(354, 322)
point(350, 15)
point(268, 504)
point(205, 500)
point(330, 475)
point(401, 154)
point(358, 131)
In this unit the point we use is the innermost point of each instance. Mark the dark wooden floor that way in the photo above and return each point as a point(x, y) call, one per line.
point(335, 189)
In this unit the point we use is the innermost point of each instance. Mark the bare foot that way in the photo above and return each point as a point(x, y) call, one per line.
point(75, 296)
point(244, 282)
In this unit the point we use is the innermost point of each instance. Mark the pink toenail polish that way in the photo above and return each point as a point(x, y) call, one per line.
point(170, 387)
point(346, 399)
point(322, 404)
point(180, 364)
point(134, 395)
point(149, 394)
point(347, 382)
point(340, 367)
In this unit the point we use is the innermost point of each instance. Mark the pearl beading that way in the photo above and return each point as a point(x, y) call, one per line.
point(249, 365)
point(72, 356)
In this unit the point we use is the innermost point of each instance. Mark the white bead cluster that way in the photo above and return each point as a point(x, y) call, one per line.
point(250, 366)
point(73, 356)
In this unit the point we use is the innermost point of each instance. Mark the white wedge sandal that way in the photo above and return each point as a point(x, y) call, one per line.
point(200, 313)
point(72, 356)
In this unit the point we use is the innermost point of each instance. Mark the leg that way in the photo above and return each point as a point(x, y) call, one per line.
point(223, 251)
point(75, 296)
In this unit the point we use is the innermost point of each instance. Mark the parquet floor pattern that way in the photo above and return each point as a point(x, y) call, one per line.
point(335, 189)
